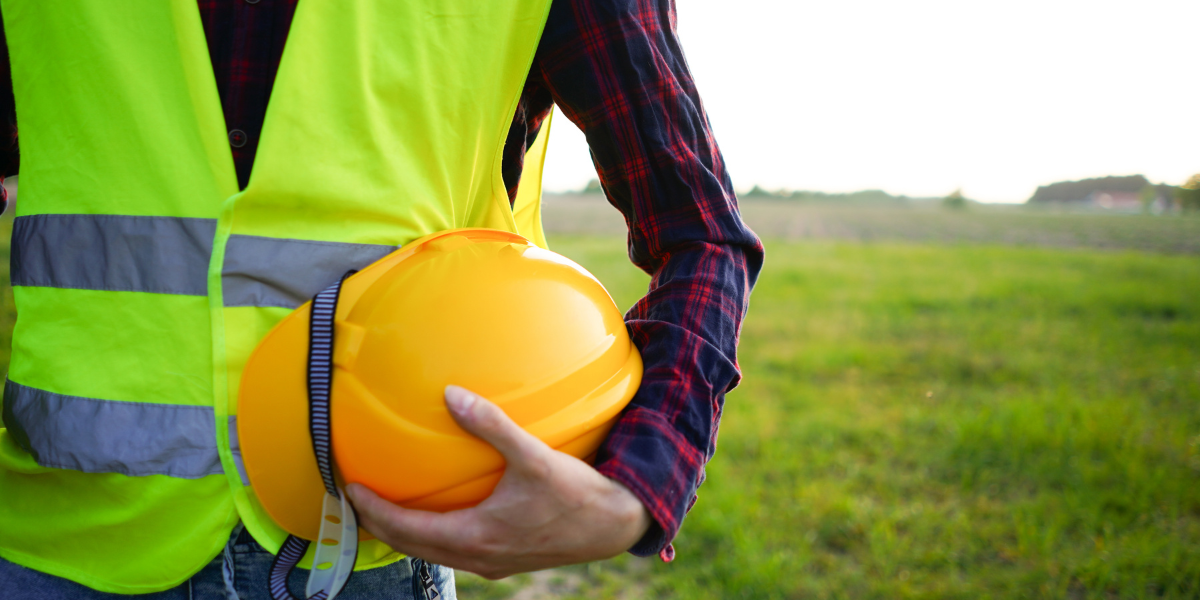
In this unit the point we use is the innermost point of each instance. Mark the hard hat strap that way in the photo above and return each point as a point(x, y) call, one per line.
point(289, 556)
point(320, 378)
point(332, 566)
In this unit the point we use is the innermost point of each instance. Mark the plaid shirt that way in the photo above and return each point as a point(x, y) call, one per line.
point(616, 69)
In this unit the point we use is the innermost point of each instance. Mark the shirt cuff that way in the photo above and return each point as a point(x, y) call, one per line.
point(659, 446)
point(629, 469)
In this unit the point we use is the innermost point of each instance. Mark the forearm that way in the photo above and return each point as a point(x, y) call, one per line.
point(686, 328)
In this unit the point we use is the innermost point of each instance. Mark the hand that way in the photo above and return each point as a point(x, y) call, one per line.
point(549, 509)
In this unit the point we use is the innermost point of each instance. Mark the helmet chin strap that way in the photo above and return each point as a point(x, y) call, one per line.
point(337, 546)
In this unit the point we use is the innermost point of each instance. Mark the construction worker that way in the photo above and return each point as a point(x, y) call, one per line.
point(118, 469)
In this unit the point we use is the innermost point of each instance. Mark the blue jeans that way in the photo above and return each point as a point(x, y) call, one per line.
point(239, 573)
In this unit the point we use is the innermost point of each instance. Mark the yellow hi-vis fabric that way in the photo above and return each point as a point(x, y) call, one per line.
point(143, 278)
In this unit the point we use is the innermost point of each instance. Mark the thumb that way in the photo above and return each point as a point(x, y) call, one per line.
point(488, 422)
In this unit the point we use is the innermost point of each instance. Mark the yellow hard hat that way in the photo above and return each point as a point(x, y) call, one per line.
point(484, 309)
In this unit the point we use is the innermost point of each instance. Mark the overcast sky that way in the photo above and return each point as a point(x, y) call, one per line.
point(924, 96)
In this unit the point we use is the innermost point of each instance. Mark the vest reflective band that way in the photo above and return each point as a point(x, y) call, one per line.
point(169, 255)
point(143, 278)
point(69, 432)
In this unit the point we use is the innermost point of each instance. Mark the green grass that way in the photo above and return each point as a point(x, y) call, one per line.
point(928, 421)
point(955, 422)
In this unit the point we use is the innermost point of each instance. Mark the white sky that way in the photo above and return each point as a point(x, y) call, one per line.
point(925, 96)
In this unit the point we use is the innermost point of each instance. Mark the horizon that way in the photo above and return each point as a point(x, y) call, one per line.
point(785, 192)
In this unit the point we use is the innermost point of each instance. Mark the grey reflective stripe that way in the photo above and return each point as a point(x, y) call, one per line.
point(162, 255)
point(261, 271)
point(107, 436)
point(170, 255)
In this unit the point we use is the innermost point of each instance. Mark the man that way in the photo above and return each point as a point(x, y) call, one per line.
point(617, 71)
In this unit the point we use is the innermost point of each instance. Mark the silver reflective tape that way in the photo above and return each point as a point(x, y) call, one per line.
point(107, 436)
point(161, 255)
point(170, 255)
point(261, 271)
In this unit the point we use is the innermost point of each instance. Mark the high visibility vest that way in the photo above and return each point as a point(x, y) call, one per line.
point(143, 277)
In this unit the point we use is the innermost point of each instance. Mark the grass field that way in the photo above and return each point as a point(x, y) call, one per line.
point(939, 420)
point(936, 420)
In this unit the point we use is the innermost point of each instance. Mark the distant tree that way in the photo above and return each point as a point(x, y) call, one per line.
point(1188, 195)
point(593, 187)
point(1075, 191)
point(859, 197)
point(955, 201)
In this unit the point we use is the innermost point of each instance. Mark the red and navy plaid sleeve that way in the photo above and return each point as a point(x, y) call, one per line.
point(10, 156)
point(616, 69)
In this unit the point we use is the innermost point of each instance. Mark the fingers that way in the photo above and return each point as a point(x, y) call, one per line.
point(488, 422)
point(401, 525)
point(443, 539)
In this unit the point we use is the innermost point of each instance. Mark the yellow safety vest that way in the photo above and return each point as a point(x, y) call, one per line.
point(143, 278)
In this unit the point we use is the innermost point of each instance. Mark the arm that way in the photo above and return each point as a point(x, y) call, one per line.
point(617, 70)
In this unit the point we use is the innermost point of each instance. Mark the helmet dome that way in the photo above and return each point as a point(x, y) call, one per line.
point(484, 309)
